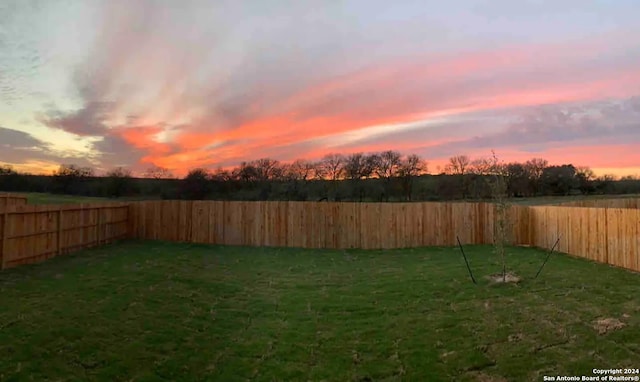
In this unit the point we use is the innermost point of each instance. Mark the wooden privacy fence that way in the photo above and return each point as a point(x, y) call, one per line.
point(9, 200)
point(606, 235)
point(32, 233)
point(317, 224)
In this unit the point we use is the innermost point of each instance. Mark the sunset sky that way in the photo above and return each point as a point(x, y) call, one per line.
point(185, 84)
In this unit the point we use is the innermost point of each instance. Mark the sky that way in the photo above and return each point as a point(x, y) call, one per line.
point(186, 84)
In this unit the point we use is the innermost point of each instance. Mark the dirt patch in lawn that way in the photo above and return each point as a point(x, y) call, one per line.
point(508, 278)
point(606, 325)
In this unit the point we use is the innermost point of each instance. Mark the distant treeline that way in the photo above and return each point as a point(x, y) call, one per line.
point(384, 176)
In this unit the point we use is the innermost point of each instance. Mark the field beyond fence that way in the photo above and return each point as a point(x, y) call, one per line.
point(34, 233)
point(605, 203)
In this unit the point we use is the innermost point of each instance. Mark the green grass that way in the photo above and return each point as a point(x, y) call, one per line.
point(551, 200)
point(158, 311)
point(44, 198)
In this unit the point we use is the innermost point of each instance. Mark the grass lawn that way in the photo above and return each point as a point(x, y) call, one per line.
point(550, 200)
point(158, 311)
point(44, 198)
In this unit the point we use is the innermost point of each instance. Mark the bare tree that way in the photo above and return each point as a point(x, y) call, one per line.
point(360, 166)
point(585, 172)
point(319, 172)
point(119, 181)
point(477, 172)
point(7, 170)
point(517, 179)
point(585, 177)
point(296, 173)
point(119, 172)
point(333, 166)
point(71, 179)
point(354, 165)
point(247, 172)
point(535, 167)
point(370, 165)
point(300, 169)
point(267, 169)
point(157, 172)
point(480, 166)
point(410, 167)
point(387, 164)
point(74, 171)
point(458, 165)
point(221, 175)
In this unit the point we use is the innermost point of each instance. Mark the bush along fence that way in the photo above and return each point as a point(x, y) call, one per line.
point(34, 233)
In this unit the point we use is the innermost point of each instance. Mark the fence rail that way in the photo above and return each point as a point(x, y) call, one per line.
point(31, 233)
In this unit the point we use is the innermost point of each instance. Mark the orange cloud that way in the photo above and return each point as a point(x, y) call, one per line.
point(144, 137)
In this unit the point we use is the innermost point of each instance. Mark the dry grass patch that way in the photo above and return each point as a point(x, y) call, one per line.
point(508, 278)
point(606, 325)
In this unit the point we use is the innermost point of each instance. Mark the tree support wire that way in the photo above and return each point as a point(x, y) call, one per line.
point(549, 255)
point(466, 262)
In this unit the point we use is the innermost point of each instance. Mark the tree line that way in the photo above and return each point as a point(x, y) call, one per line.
point(382, 176)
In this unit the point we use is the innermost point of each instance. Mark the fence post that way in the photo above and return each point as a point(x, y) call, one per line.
point(606, 235)
point(130, 233)
point(59, 235)
point(98, 226)
point(5, 234)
